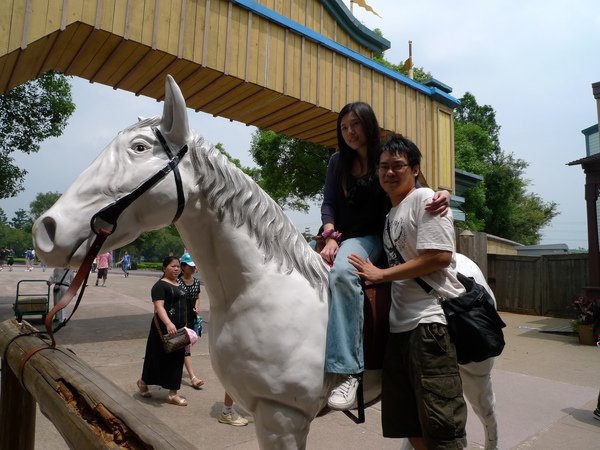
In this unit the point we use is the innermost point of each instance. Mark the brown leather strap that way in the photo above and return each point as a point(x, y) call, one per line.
point(25, 358)
point(79, 279)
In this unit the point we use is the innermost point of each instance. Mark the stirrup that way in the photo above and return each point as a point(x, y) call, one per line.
point(360, 402)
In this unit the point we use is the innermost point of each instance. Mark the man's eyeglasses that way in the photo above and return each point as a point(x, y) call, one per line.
point(396, 167)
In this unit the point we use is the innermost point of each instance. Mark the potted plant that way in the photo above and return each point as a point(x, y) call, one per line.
point(587, 309)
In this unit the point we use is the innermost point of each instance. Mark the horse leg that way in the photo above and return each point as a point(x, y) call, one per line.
point(279, 426)
point(477, 388)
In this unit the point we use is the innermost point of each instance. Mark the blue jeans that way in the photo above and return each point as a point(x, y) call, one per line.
point(344, 351)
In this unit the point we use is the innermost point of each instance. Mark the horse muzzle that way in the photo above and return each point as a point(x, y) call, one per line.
point(56, 246)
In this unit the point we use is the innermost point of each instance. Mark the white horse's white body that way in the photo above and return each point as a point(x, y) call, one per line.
point(477, 376)
point(267, 287)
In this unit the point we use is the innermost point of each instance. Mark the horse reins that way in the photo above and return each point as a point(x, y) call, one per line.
point(108, 217)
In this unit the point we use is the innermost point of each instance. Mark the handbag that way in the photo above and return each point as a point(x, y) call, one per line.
point(474, 325)
point(172, 343)
point(473, 322)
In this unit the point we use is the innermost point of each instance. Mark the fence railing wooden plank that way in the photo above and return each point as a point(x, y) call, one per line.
point(87, 409)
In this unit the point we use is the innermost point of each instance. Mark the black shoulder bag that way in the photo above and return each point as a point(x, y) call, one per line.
point(473, 322)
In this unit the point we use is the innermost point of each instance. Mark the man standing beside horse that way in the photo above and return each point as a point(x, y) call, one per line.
point(422, 397)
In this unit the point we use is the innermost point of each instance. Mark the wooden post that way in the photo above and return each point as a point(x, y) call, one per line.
point(474, 246)
point(87, 409)
point(17, 413)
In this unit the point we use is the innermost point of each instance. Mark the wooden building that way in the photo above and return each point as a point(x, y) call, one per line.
point(288, 66)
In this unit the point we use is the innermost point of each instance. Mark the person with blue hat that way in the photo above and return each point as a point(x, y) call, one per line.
point(191, 286)
point(229, 415)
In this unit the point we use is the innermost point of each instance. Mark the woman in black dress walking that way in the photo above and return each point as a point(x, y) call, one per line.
point(160, 368)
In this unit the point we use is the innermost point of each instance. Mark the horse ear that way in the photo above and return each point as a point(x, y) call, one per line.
point(174, 122)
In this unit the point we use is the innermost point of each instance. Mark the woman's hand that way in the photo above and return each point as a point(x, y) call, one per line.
point(171, 329)
point(439, 204)
point(329, 251)
point(365, 269)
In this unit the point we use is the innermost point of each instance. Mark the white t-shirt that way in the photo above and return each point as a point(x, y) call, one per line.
point(413, 229)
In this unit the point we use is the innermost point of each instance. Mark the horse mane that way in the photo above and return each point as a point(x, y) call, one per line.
point(234, 195)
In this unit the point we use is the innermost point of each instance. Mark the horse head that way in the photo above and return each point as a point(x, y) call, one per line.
point(62, 235)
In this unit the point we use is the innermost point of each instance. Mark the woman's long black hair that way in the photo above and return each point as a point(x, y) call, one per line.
point(367, 118)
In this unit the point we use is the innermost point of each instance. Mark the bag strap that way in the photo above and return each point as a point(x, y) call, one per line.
point(428, 289)
point(157, 324)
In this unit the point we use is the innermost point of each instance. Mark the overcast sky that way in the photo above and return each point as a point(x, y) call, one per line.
point(532, 61)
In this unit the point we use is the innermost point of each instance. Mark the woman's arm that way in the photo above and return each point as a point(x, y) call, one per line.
point(331, 246)
point(439, 204)
point(159, 309)
point(328, 210)
point(197, 305)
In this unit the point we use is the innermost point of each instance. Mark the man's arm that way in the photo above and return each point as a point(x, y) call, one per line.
point(426, 262)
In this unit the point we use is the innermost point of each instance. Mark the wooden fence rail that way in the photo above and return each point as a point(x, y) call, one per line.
point(87, 409)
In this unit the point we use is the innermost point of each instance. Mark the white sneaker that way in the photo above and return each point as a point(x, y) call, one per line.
point(233, 419)
point(344, 395)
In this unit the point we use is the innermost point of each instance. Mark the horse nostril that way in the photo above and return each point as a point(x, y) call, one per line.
point(44, 234)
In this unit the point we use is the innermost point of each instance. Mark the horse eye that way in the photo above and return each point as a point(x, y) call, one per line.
point(139, 147)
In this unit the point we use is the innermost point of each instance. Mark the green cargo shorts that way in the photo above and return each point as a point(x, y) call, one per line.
point(421, 388)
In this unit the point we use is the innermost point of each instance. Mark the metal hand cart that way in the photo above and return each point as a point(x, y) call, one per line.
point(33, 298)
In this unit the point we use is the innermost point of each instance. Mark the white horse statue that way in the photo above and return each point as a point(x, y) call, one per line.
point(267, 287)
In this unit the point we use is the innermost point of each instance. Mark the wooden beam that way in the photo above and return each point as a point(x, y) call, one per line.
point(87, 409)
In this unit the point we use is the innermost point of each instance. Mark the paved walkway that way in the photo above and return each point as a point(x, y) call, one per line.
point(546, 383)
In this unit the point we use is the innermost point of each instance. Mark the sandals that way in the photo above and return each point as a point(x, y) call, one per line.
point(196, 382)
point(143, 388)
point(176, 400)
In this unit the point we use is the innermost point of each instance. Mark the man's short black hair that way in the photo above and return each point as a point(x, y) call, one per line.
point(396, 144)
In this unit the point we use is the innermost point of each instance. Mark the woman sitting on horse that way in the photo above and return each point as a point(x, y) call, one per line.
point(353, 213)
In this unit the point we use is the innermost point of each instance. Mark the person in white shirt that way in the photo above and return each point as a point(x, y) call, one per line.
point(422, 397)
point(61, 278)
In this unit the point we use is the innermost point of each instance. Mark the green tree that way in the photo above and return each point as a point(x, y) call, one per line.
point(252, 172)
point(3, 218)
point(42, 203)
point(22, 221)
point(29, 114)
point(500, 205)
point(291, 171)
point(156, 245)
point(17, 240)
point(483, 116)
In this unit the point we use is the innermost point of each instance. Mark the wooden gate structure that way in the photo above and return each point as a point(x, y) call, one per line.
point(288, 66)
point(284, 65)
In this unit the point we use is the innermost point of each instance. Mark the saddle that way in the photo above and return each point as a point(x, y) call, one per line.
point(376, 325)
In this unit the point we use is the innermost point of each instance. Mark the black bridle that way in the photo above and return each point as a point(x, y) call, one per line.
point(109, 214)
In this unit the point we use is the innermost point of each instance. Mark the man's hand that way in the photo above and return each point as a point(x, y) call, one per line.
point(365, 269)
